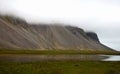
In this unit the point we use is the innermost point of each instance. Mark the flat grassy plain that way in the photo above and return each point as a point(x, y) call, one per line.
point(55, 52)
point(60, 67)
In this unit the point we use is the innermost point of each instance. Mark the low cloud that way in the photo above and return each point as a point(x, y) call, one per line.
point(101, 16)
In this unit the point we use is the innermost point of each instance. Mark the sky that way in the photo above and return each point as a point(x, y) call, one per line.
point(100, 16)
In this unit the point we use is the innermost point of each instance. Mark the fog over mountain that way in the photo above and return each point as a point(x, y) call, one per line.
point(16, 33)
point(100, 16)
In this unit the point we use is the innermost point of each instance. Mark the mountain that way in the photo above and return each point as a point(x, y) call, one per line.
point(16, 33)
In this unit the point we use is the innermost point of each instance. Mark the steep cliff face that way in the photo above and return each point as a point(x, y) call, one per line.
point(17, 34)
point(93, 36)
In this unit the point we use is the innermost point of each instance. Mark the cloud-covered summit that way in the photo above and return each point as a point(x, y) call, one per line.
point(101, 16)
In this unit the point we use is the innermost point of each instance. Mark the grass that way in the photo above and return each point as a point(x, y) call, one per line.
point(54, 52)
point(60, 67)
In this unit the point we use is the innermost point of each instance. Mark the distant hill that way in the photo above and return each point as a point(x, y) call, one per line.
point(16, 33)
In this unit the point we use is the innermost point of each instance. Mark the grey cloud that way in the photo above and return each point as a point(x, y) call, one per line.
point(105, 24)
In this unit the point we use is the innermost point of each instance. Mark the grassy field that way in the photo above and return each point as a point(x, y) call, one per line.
point(54, 52)
point(60, 67)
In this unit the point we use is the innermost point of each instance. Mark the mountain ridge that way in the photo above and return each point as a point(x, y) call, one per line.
point(16, 33)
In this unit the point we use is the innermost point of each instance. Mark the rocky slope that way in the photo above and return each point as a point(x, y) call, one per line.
point(17, 34)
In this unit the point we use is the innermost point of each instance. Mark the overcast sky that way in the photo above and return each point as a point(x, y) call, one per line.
point(100, 16)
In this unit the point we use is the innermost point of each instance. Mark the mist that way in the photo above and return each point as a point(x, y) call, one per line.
point(100, 16)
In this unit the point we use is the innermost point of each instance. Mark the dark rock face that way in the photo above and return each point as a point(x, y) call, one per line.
point(93, 36)
point(45, 37)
